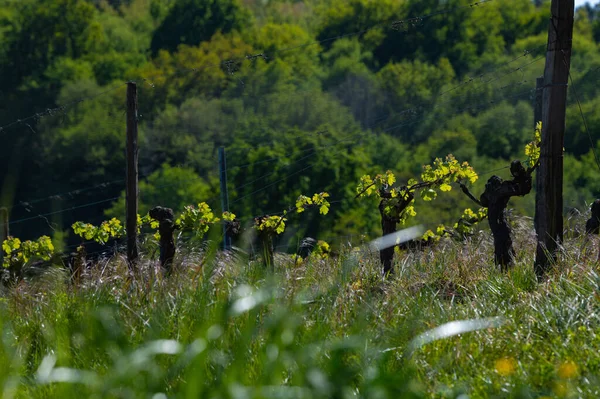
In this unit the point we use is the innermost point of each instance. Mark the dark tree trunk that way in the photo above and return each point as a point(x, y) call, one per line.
point(78, 265)
point(389, 223)
point(495, 197)
point(166, 228)
point(266, 243)
point(503, 248)
point(593, 224)
point(233, 228)
point(15, 273)
point(388, 226)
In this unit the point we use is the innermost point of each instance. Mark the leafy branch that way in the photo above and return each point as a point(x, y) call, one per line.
point(464, 227)
point(112, 228)
point(17, 252)
point(399, 201)
point(269, 226)
point(396, 204)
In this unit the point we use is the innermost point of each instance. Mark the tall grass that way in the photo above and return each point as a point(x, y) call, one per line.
point(224, 327)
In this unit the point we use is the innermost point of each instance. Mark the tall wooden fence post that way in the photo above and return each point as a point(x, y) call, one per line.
point(224, 195)
point(3, 231)
point(549, 204)
point(132, 174)
point(539, 101)
point(537, 117)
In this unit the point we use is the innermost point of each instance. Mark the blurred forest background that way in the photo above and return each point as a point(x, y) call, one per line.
point(306, 96)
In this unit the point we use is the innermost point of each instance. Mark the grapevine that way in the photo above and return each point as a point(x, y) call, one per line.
point(196, 219)
point(276, 224)
point(320, 200)
point(396, 204)
point(18, 253)
point(112, 228)
point(497, 194)
point(270, 226)
point(322, 250)
point(228, 216)
point(461, 229)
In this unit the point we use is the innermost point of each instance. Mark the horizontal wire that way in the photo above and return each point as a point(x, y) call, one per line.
point(382, 119)
point(62, 211)
point(297, 161)
point(358, 135)
point(61, 108)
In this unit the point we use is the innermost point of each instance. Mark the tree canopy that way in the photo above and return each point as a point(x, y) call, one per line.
point(305, 96)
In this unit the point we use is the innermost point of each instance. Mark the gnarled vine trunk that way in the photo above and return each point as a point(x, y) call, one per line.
point(389, 223)
point(592, 226)
point(166, 227)
point(78, 265)
point(388, 226)
point(495, 197)
point(266, 243)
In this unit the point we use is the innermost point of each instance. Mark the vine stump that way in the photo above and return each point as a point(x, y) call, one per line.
point(166, 219)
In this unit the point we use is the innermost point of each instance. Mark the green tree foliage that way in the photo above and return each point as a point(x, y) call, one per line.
point(89, 133)
point(306, 96)
point(118, 50)
point(171, 187)
point(302, 65)
point(501, 131)
point(192, 71)
point(191, 22)
point(42, 31)
point(339, 18)
point(190, 134)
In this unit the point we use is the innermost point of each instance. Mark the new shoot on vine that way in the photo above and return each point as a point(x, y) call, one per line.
point(18, 253)
point(269, 226)
point(397, 203)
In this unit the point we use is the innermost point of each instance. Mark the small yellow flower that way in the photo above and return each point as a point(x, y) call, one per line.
point(568, 370)
point(357, 285)
point(506, 366)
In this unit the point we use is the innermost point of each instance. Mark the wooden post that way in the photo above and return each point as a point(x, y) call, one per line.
point(549, 204)
point(224, 196)
point(132, 174)
point(537, 117)
point(539, 101)
point(3, 231)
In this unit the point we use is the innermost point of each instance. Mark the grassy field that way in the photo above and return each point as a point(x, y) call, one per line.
point(224, 327)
